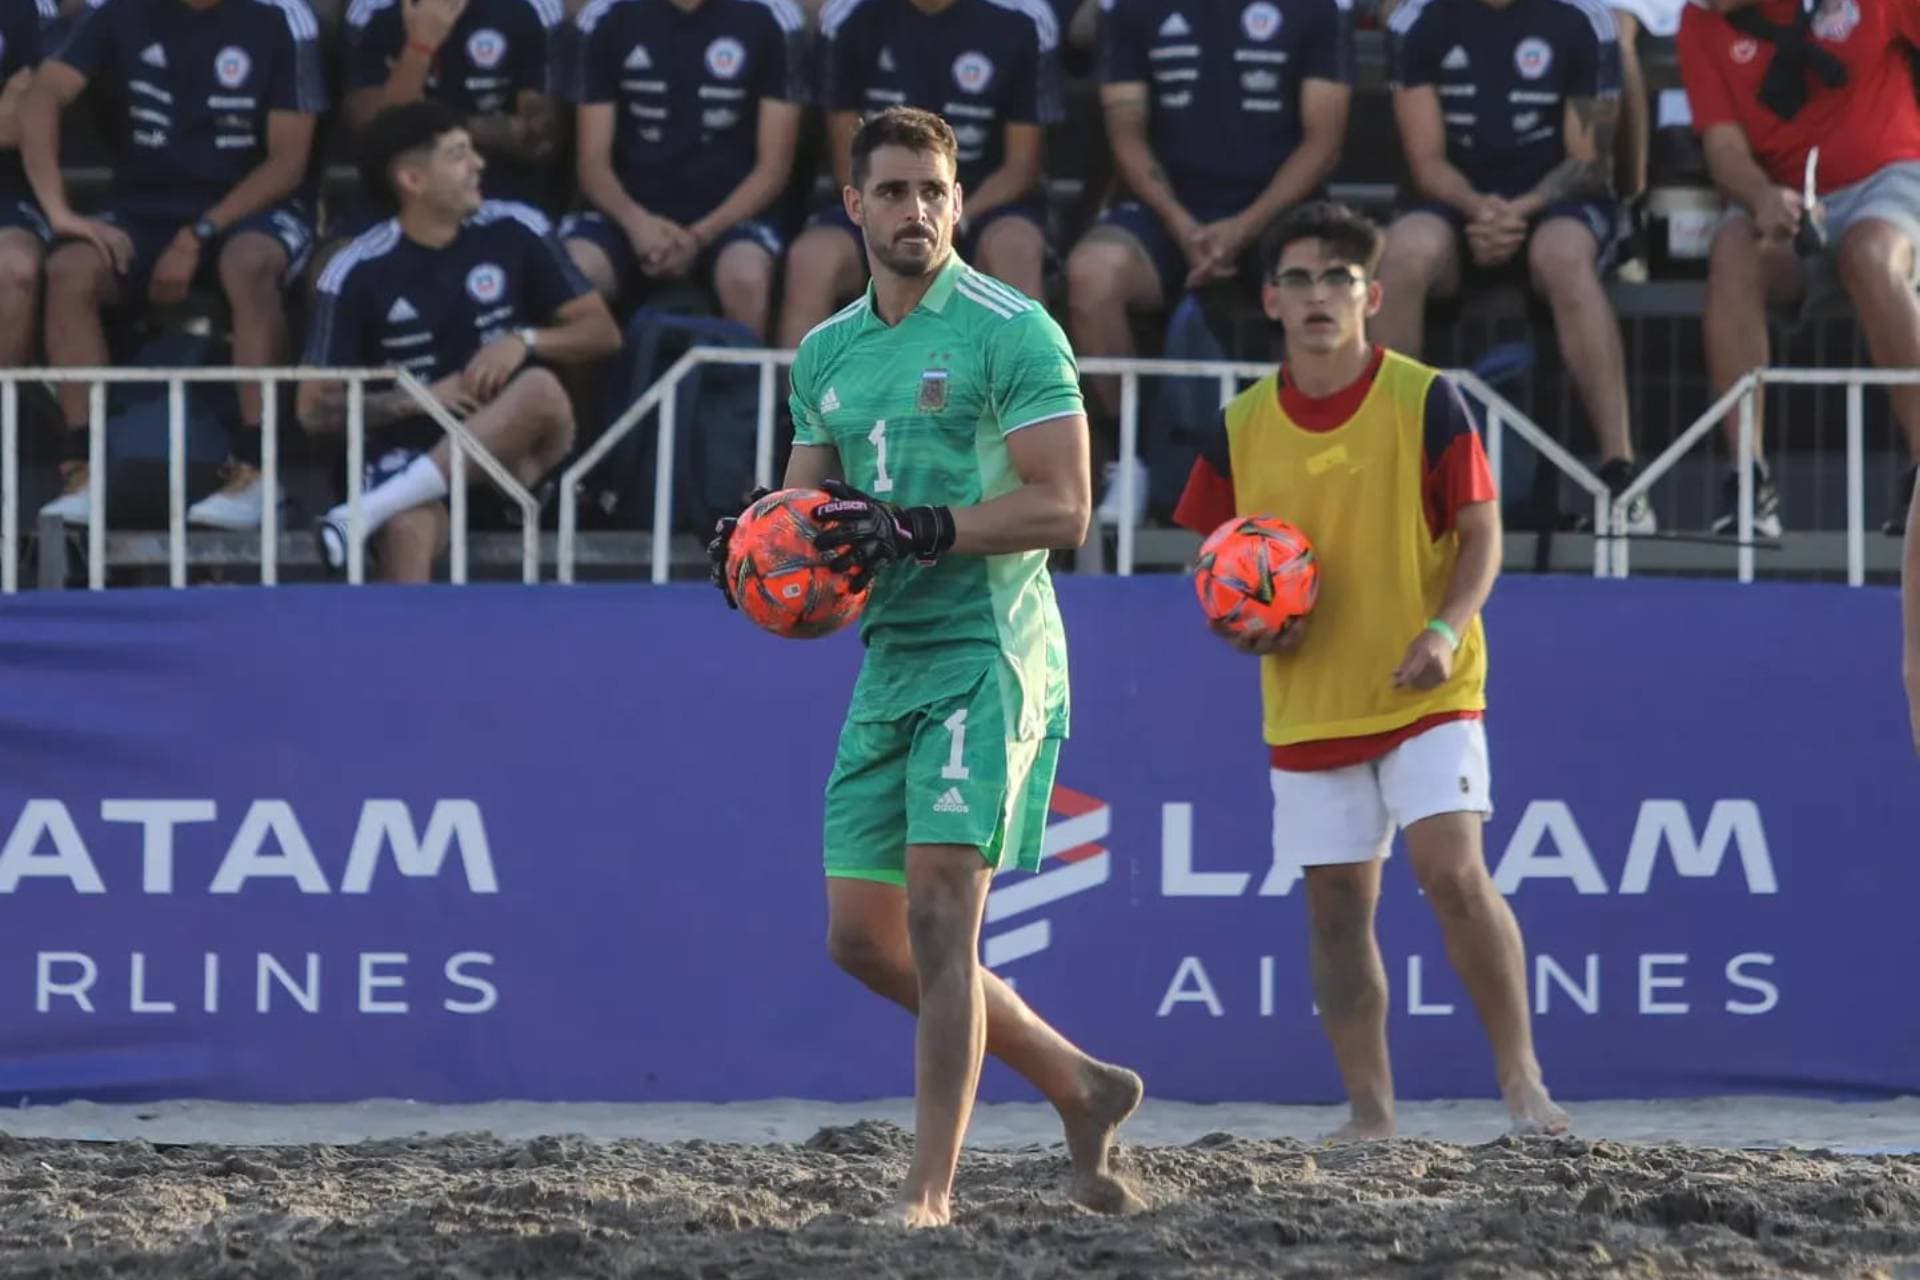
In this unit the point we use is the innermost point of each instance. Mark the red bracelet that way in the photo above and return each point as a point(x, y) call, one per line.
point(427, 50)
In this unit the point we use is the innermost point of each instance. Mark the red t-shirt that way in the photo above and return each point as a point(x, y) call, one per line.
point(1454, 474)
point(1861, 127)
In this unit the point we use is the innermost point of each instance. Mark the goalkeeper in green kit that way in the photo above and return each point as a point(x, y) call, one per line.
point(941, 412)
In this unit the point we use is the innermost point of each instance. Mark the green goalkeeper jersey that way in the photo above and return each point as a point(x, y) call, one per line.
point(919, 412)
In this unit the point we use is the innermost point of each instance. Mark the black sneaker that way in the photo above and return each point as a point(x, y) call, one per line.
point(1766, 505)
point(1617, 475)
point(1896, 525)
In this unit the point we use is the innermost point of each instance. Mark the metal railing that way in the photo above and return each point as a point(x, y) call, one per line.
point(1746, 395)
point(176, 381)
point(663, 396)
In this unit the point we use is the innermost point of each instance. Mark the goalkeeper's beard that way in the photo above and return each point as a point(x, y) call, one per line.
point(912, 263)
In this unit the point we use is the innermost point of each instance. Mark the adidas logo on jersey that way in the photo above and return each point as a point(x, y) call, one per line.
point(1456, 60)
point(950, 802)
point(639, 59)
point(402, 312)
point(1176, 26)
point(830, 401)
point(154, 56)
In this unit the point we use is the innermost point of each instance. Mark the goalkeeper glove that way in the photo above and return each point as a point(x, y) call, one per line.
point(862, 533)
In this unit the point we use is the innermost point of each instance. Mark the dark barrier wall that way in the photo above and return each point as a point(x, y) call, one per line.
point(563, 844)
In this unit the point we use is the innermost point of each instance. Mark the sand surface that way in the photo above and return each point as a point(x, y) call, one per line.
point(1713, 1187)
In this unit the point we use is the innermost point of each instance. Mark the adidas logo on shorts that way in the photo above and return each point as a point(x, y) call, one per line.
point(950, 802)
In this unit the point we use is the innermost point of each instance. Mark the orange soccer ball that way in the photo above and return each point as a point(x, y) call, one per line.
point(1255, 573)
point(779, 578)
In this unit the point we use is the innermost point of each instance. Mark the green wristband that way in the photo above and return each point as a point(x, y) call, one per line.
point(1441, 627)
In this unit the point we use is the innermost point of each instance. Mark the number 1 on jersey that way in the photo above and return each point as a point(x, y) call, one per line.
point(956, 727)
point(882, 482)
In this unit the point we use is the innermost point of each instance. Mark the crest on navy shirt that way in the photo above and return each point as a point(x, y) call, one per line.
point(933, 391)
point(725, 57)
point(1835, 20)
point(231, 66)
point(486, 282)
point(973, 71)
point(485, 48)
point(1260, 20)
point(1532, 57)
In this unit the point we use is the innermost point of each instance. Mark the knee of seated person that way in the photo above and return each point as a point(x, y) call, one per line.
point(253, 263)
point(743, 270)
point(1873, 252)
point(1095, 270)
point(1559, 264)
point(539, 391)
point(1415, 251)
point(19, 269)
point(76, 269)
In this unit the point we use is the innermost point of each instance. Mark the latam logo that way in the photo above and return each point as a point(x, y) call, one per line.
point(1073, 863)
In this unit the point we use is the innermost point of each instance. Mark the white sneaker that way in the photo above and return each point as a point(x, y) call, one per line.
point(236, 505)
point(74, 505)
point(1109, 511)
point(330, 540)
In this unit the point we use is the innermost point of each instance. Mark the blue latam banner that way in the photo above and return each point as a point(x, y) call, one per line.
point(312, 844)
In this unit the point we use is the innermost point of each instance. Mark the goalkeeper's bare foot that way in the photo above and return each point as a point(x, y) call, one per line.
point(1110, 1094)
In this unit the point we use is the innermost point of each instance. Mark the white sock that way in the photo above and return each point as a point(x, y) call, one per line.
point(418, 485)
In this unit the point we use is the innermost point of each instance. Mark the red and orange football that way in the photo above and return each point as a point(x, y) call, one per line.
point(1255, 574)
point(779, 578)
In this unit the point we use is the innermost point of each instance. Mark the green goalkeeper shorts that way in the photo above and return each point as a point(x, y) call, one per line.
point(945, 773)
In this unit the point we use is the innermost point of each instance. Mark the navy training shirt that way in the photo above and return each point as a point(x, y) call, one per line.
point(1504, 77)
point(386, 300)
point(686, 89)
point(980, 64)
point(198, 85)
point(1224, 85)
point(496, 50)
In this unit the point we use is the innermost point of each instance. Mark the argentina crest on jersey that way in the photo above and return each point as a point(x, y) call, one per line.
point(933, 391)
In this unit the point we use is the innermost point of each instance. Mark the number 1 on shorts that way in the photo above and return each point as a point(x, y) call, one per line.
point(956, 726)
point(882, 482)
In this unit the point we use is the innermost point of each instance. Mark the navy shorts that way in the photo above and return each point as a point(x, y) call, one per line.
point(24, 215)
point(290, 224)
point(1168, 258)
point(599, 231)
point(835, 215)
point(1603, 220)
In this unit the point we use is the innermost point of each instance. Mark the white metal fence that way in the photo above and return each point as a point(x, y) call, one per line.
point(1612, 554)
point(269, 380)
point(663, 396)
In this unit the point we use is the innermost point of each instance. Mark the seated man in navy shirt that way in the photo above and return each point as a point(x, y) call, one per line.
point(464, 294)
point(1507, 112)
point(490, 60)
point(23, 229)
point(220, 99)
point(688, 120)
point(987, 68)
point(1221, 117)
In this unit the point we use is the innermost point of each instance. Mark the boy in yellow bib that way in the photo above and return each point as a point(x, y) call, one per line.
point(1373, 710)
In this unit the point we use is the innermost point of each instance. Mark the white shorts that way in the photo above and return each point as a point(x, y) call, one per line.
point(1331, 816)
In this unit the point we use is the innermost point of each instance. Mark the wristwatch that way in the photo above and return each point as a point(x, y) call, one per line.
point(204, 231)
point(529, 338)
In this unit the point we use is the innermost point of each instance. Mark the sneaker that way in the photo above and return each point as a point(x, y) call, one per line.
point(330, 539)
point(1617, 475)
point(1109, 510)
point(1766, 506)
point(1896, 525)
point(75, 504)
point(235, 505)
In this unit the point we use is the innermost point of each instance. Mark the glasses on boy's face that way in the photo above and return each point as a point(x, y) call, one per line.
point(1333, 279)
